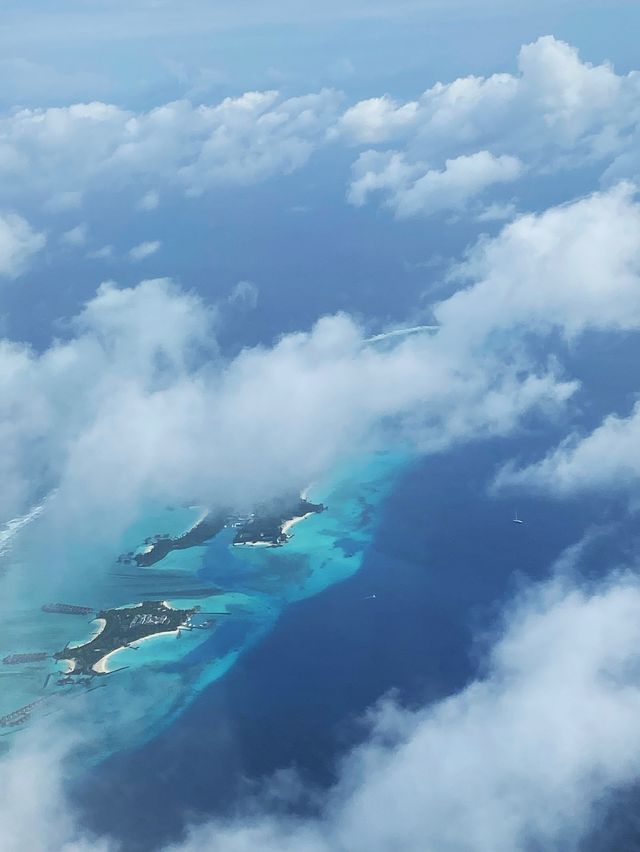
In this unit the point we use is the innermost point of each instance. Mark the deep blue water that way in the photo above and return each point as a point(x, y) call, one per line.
point(444, 558)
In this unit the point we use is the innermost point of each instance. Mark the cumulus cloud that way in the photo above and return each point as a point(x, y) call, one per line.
point(62, 151)
point(410, 190)
point(570, 291)
point(556, 112)
point(572, 268)
point(555, 101)
point(144, 250)
point(608, 459)
point(157, 411)
point(19, 242)
point(457, 141)
point(158, 414)
point(377, 120)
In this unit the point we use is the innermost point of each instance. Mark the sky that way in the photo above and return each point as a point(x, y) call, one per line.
point(207, 212)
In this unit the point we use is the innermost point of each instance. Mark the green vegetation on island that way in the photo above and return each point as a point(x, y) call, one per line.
point(121, 628)
point(162, 545)
point(268, 526)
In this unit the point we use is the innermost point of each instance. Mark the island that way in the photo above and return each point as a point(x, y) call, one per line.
point(120, 628)
point(161, 545)
point(269, 526)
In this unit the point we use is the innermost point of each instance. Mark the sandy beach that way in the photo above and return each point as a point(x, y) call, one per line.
point(101, 667)
point(147, 548)
point(204, 514)
point(288, 524)
point(101, 624)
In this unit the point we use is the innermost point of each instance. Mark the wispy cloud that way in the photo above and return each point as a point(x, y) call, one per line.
point(19, 243)
point(144, 250)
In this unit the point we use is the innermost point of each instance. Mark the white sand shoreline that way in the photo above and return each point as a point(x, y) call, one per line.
point(204, 514)
point(101, 667)
point(284, 530)
point(102, 623)
point(293, 521)
point(143, 549)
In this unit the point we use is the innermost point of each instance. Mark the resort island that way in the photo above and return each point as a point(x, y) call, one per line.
point(268, 526)
point(120, 628)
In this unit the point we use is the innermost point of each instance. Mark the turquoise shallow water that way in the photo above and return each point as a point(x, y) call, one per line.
point(153, 681)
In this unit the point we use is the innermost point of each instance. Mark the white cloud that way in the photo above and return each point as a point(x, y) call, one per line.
point(606, 459)
point(458, 140)
point(157, 412)
point(61, 152)
point(496, 212)
point(144, 250)
point(574, 267)
point(149, 201)
point(76, 236)
point(256, 136)
point(19, 242)
point(245, 294)
point(374, 171)
point(472, 131)
point(555, 101)
point(376, 120)
point(410, 190)
point(557, 112)
point(103, 253)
